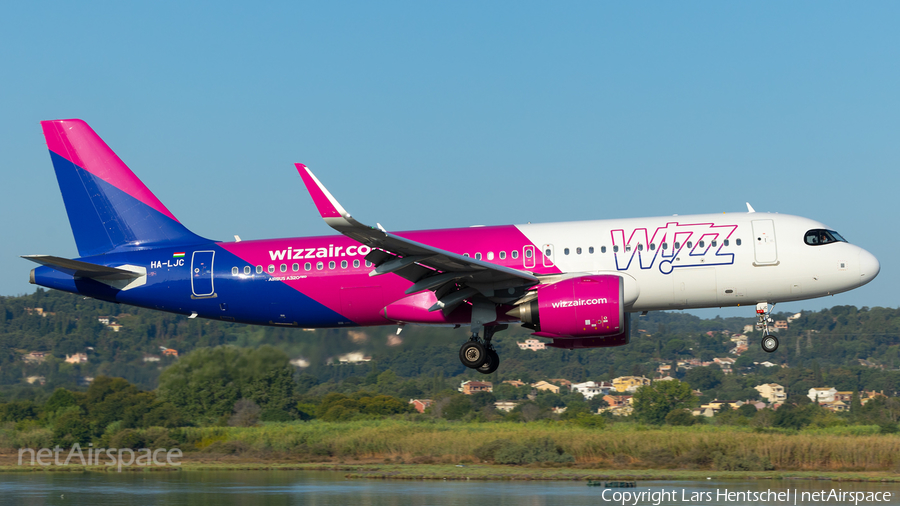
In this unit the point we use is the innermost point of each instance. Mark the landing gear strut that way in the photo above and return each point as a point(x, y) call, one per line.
point(769, 342)
point(479, 354)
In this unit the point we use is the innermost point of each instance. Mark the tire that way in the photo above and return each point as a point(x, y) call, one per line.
point(472, 354)
point(769, 343)
point(491, 364)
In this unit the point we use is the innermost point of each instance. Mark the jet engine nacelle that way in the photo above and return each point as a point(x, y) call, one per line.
point(579, 307)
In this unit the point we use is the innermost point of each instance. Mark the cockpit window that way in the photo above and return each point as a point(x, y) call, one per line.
point(819, 236)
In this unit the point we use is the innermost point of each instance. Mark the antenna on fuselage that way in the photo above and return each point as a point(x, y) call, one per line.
point(750, 208)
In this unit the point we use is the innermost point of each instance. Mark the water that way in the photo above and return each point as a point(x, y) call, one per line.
point(277, 488)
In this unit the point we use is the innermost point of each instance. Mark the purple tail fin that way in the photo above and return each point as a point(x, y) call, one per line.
point(109, 208)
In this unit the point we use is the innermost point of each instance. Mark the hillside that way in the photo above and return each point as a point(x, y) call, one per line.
point(819, 347)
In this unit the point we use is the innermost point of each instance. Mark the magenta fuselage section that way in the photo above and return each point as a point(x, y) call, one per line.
point(332, 270)
point(585, 306)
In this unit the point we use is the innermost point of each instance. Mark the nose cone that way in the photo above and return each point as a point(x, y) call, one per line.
point(869, 267)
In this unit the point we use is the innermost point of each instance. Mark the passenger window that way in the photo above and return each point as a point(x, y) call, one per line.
point(356, 263)
point(640, 247)
point(713, 244)
point(271, 269)
point(490, 255)
point(677, 245)
point(331, 264)
point(320, 265)
point(528, 253)
point(701, 244)
point(466, 255)
point(477, 256)
point(602, 249)
point(259, 269)
point(578, 250)
point(615, 248)
point(627, 247)
point(502, 255)
point(690, 244)
point(665, 245)
point(368, 263)
point(591, 250)
point(737, 242)
point(246, 269)
point(283, 268)
point(343, 264)
point(652, 247)
point(515, 254)
point(547, 252)
point(295, 267)
point(566, 251)
point(234, 271)
point(307, 266)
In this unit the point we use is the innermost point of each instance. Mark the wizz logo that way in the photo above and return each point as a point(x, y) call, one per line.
point(674, 245)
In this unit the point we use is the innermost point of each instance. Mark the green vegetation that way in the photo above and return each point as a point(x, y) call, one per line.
point(233, 391)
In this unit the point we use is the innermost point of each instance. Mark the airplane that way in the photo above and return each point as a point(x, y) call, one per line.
point(574, 283)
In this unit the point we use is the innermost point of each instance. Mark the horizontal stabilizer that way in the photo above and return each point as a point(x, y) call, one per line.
point(80, 269)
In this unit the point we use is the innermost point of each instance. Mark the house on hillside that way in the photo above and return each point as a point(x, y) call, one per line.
point(515, 383)
point(78, 358)
point(35, 357)
point(630, 383)
point(421, 404)
point(545, 386)
point(506, 406)
point(473, 387)
point(532, 344)
point(822, 395)
point(618, 405)
point(590, 388)
point(772, 392)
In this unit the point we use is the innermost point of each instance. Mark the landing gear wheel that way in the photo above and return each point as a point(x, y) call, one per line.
point(769, 343)
point(491, 364)
point(472, 354)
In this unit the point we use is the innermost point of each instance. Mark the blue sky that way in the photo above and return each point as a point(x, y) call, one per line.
point(426, 115)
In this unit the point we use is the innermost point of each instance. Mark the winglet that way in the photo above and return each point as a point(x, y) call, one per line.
point(325, 202)
point(750, 208)
point(332, 212)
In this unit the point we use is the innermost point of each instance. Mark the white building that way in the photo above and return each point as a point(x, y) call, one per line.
point(822, 394)
point(590, 388)
point(532, 344)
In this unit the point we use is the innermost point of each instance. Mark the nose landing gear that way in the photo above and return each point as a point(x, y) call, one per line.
point(479, 354)
point(769, 342)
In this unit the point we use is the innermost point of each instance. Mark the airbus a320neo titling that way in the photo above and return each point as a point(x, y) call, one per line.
point(572, 283)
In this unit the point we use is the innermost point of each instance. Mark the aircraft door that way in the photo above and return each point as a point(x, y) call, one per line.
point(764, 247)
point(528, 256)
point(202, 273)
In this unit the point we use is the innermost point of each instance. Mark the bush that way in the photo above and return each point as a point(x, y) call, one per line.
point(541, 450)
point(750, 462)
point(127, 438)
point(681, 417)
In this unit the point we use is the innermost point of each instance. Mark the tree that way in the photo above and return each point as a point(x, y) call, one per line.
point(207, 382)
point(653, 402)
point(704, 378)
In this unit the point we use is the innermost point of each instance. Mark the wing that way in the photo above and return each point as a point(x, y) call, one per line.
point(454, 278)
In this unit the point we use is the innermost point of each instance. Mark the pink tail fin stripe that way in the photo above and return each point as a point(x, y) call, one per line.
point(74, 140)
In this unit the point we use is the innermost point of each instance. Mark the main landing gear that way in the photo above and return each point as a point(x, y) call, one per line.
point(479, 354)
point(769, 342)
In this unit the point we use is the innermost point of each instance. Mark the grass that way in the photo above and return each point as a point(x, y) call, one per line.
point(616, 447)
